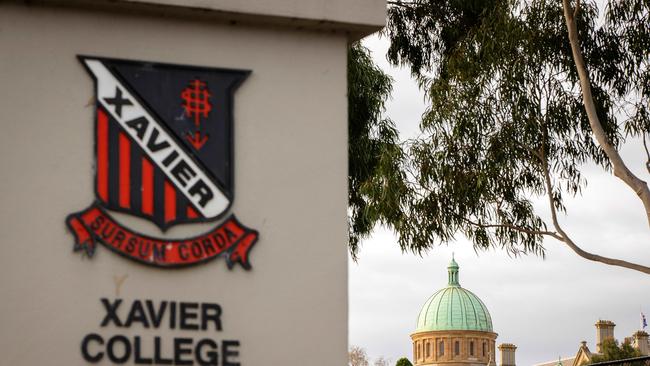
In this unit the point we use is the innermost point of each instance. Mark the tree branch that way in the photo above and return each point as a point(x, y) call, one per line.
point(621, 170)
point(514, 227)
point(570, 243)
point(645, 146)
point(576, 9)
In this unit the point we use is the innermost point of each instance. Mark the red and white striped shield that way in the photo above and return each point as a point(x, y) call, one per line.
point(164, 139)
point(164, 152)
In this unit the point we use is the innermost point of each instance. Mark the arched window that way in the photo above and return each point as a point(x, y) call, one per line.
point(456, 348)
point(471, 348)
point(484, 349)
point(428, 349)
point(441, 348)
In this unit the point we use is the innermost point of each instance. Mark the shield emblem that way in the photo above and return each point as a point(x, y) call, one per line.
point(164, 139)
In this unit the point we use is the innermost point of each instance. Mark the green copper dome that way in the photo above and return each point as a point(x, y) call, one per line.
point(454, 308)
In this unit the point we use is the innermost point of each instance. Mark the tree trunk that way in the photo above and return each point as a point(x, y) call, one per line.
point(621, 170)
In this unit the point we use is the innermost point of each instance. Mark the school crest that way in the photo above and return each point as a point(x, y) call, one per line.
point(163, 152)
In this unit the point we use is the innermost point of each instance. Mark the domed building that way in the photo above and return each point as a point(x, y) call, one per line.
point(454, 328)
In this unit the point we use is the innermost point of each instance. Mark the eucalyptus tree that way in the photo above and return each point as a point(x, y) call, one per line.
point(376, 183)
point(521, 95)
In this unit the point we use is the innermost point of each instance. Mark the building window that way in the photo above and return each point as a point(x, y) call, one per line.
point(484, 349)
point(428, 349)
point(456, 348)
point(441, 348)
point(471, 348)
point(419, 350)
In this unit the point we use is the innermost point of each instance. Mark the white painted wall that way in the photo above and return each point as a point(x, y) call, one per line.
point(290, 176)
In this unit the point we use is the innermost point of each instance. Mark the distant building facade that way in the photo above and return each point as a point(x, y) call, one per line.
point(604, 331)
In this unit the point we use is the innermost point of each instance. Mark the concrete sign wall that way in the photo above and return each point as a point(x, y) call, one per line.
point(290, 168)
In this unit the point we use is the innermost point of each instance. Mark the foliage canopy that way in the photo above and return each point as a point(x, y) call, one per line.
point(403, 362)
point(611, 351)
point(374, 177)
point(521, 95)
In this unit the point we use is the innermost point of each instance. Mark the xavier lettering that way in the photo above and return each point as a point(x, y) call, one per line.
point(148, 313)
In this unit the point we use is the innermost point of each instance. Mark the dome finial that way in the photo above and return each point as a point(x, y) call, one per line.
point(452, 269)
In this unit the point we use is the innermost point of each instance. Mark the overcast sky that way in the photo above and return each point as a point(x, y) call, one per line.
point(544, 306)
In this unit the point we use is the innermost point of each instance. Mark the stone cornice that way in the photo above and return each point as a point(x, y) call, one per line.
point(453, 333)
point(356, 18)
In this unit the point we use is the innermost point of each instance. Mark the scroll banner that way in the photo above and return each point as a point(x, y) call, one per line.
point(230, 238)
